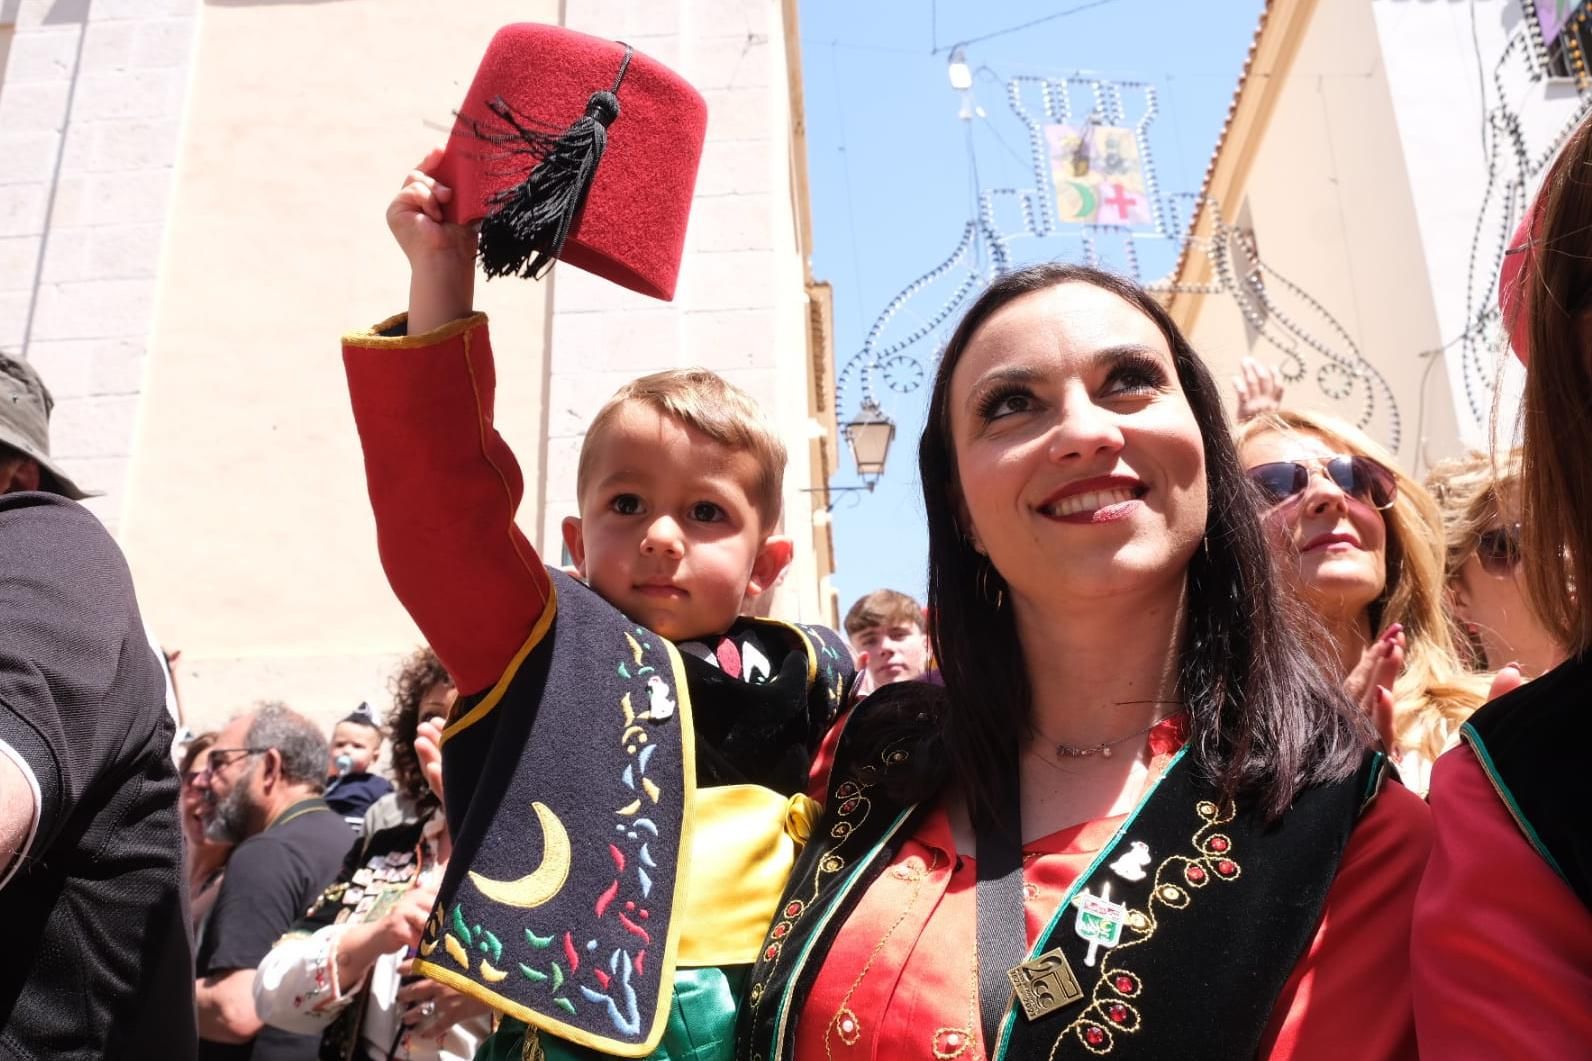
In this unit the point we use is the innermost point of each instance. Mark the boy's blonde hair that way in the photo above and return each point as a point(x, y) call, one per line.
point(883, 607)
point(706, 402)
point(1436, 691)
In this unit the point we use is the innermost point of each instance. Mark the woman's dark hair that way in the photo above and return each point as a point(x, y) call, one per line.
point(419, 673)
point(1556, 477)
point(1265, 720)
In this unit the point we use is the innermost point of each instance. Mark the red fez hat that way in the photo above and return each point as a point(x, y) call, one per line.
point(1515, 281)
point(576, 148)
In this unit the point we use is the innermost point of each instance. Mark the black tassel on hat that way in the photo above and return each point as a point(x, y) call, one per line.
point(529, 222)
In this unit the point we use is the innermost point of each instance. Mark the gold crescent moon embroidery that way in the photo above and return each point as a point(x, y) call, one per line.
point(542, 883)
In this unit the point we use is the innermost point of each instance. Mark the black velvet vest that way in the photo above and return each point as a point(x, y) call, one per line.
point(1532, 746)
point(1214, 926)
point(570, 785)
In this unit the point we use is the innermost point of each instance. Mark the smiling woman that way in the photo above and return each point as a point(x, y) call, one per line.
point(1361, 544)
point(1090, 808)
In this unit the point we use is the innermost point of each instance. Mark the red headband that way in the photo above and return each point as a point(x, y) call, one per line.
point(1515, 281)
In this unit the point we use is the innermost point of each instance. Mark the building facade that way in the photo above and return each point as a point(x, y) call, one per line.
point(191, 213)
point(1375, 157)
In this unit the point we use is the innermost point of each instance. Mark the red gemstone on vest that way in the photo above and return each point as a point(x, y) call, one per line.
point(1226, 867)
point(1124, 984)
point(848, 806)
point(1118, 1013)
point(1218, 843)
point(772, 952)
point(793, 910)
point(1194, 874)
point(1094, 1036)
point(780, 930)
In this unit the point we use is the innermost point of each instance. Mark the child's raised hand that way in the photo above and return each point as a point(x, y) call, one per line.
point(415, 216)
point(441, 254)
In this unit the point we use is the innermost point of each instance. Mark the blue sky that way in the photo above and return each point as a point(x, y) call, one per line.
point(893, 171)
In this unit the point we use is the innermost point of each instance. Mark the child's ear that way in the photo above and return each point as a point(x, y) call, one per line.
point(772, 560)
point(575, 542)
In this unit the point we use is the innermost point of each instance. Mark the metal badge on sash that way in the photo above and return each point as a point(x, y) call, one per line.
point(1099, 921)
point(1045, 984)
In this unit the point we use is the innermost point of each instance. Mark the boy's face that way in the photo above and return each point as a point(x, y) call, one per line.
point(897, 652)
point(359, 743)
point(668, 532)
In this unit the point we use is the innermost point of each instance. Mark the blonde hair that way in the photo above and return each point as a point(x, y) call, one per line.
point(883, 607)
point(703, 401)
point(1436, 691)
point(1470, 494)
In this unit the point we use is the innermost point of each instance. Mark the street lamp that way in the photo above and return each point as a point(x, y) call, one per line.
point(869, 436)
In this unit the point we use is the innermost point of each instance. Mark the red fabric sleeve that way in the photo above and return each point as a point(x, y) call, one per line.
point(444, 488)
point(1349, 995)
point(1501, 958)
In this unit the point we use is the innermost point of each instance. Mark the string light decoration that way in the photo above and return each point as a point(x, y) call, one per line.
point(1342, 373)
point(1512, 170)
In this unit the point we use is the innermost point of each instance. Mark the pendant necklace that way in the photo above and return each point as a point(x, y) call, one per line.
point(1103, 749)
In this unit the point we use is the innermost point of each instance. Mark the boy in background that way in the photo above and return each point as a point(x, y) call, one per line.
point(886, 632)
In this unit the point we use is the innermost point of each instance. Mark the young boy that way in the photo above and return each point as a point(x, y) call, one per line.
point(886, 632)
point(625, 764)
point(350, 786)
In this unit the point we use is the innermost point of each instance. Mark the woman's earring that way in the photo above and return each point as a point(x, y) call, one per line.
point(997, 597)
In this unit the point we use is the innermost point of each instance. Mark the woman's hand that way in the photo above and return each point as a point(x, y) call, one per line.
point(1259, 390)
point(441, 254)
point(428, 1008)
point(1370, 684)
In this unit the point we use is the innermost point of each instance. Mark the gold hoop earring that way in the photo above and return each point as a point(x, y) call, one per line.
point(997, 597)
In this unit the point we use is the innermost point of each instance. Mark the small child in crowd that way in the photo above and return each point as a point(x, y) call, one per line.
point(350, 786)
point(626, 761)
point(887, 634)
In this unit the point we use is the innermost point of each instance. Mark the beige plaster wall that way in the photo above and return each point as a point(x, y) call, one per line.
point(1332, 206)
point(245, 518)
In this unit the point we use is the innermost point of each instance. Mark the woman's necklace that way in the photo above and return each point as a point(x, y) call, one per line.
point(845, 1023)
point(1103, 749)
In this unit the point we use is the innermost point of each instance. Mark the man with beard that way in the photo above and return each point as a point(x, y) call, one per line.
point(91, 885)
point(263, 785)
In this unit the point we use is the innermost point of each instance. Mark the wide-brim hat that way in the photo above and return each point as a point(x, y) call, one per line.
point(538, 88)
point(25, 405)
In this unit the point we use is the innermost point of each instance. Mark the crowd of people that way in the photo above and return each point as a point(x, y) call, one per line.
point(1213, 738)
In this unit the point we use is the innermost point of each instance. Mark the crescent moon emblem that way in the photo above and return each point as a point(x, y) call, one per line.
point(1086, 199)
point(542, 883)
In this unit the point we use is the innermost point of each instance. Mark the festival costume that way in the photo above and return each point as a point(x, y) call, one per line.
point(1231, 939)
point(621, 807)
point(1502, 951)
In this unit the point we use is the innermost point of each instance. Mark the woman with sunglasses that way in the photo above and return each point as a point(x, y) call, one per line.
point(1486, 584)
point(1361, 544)
point(1138, 819)
point(1502, 950)
point(206, 859)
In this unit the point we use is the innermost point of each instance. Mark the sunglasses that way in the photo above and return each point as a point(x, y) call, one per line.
point(1498, 550)
point(1360, 477)
point(221, 758)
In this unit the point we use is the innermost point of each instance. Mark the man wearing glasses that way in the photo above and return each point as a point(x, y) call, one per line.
point(262, 785)
point(91, 880)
